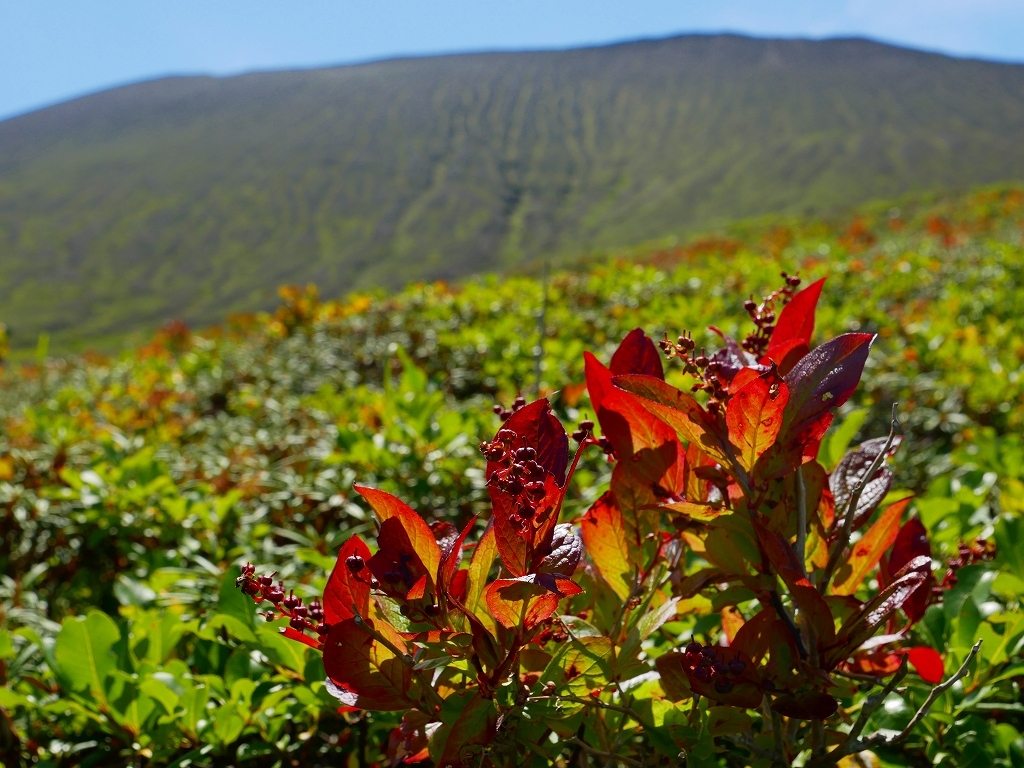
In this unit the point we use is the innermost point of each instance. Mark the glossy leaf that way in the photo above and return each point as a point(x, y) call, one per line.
point(528, 600)
point(851, 471)
point(344, 588)
point(356, 663)
point(681, 412)
point(927, 662)
point(910, 543)
point(754, 417)
point(450, 559)
point(416, 531)
point(824, 379)
point(865, 554)
point(604, 535)
point(795, 322)
point(637, 354)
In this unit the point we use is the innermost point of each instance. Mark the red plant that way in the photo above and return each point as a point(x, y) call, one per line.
point(716, 501)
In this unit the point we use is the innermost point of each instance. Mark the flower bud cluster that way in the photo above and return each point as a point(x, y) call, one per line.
point(764, 317)
point(707, 370)
point(519, 475)
point(706, 664)
point(504, 413)
point(301, 616)
point(968, 554)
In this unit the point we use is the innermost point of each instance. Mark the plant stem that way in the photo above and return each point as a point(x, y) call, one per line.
point(851, 506)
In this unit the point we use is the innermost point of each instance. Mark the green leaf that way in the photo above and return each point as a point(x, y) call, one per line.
point(282, 651)
point(1009, 537)
point(84, 652)
point(193, 702)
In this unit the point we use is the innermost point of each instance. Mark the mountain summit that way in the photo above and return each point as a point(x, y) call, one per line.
point(195, 196)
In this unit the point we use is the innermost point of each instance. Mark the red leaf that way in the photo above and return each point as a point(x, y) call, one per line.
point(537, 427)
point(604, 536)
point(599, 380)
point(397, 565)
point(475, 727)
point(299, 637)
point(865, 554)
point(521, 545)
point(806, 706)
point(804, 594)
point(861, 625)
point(637, 354)
point(796, 320)
point(450, 559)
point(911, 542)
point(674, 680)
point(825, 378)
point(754, 637)
point(754, 417)
point(417, 532)
point(928, 663)
point(527, 599)
point(742, 689)
point(355, 662)
point(681, 412)
point(344, 588)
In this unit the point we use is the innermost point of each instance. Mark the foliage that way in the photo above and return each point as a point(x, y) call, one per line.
point(136, 486)
point(716, 510)
point(212, 191)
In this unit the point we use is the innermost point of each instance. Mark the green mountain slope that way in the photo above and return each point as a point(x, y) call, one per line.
point(197, 196)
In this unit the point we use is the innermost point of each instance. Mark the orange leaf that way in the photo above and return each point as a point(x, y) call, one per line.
point(732, 621)
point(526, 600)
point(754, 417)
point(865, 554)
point(416, 529)
point(680, 411)
point(604, 536)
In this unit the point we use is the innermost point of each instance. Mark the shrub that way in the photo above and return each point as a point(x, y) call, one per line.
point(804, 583)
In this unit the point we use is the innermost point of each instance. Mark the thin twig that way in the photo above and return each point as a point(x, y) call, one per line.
point(780, 742)
point(621, 759)
point(853, 743)
point(851, 506)
point(801, 520)
point(788, 621)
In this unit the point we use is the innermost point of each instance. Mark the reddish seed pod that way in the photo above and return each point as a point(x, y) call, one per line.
point(519, 402)
point(322, 628)
point(251, 588)
point(266, 581)
point(749, 305)
point(579, 435)
point(432, 610)
point(292, 601)
point(298, 624)
point(275, 595)
point(498, 409)
point(694, 647)
point(587, 425)
point(354, 563)
point(300, 610)
point(526, 454)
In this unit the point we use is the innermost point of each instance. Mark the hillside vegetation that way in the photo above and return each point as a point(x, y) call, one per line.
point(132, 487)
point(192, 197)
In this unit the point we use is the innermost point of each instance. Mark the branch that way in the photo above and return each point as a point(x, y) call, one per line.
point(622, 760)
point(851, 506)
point(853, 743)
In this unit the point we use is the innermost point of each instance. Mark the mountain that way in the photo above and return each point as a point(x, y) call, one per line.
point(195, 196)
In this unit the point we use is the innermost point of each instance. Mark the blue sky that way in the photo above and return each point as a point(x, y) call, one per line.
point(51, 50)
